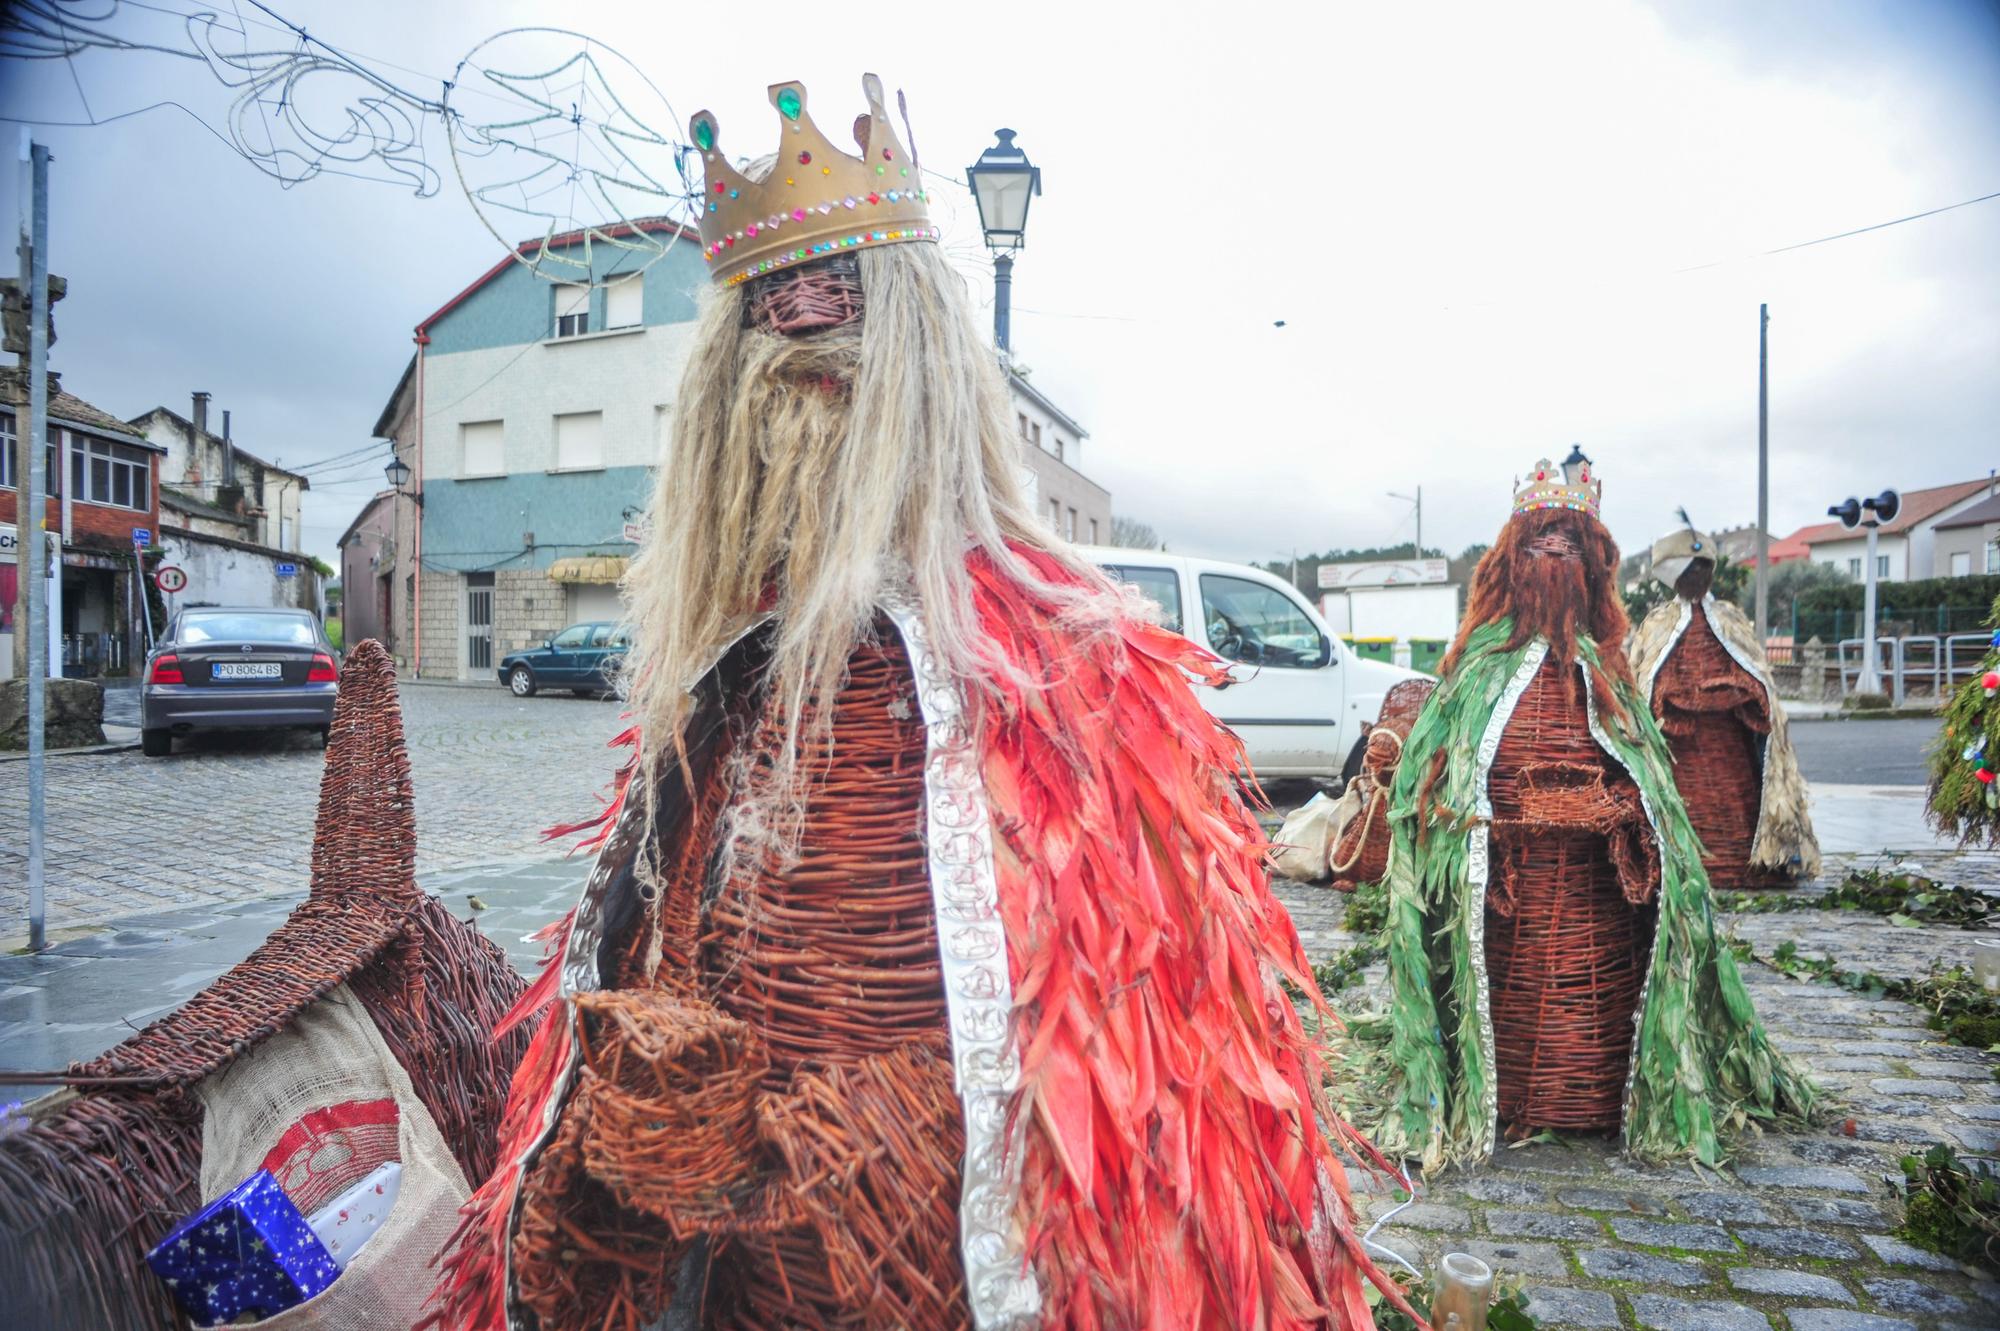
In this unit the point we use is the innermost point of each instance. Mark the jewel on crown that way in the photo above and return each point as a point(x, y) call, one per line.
point(817, 200)
point(1572, 485)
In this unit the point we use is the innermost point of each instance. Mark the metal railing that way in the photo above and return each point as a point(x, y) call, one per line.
point(88, 655)
point(1922, 665)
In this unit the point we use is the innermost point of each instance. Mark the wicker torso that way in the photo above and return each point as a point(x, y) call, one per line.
point(817, 1153)
point(1716, 717)
point(1568, 915)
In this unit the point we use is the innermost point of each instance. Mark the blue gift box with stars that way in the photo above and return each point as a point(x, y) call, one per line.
point(248, 1251)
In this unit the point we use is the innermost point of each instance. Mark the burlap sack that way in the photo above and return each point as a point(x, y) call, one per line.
point(1305, 843)
point(330, 1055)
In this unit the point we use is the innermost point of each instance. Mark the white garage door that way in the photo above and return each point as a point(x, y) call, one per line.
point(594, 601)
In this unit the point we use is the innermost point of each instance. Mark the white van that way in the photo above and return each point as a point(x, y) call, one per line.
point(1300, 698)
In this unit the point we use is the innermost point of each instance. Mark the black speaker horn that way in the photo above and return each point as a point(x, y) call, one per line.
point(1886, 505)
point(1849, 513)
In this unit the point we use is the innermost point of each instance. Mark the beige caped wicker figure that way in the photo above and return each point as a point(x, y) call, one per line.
point(1698, 661)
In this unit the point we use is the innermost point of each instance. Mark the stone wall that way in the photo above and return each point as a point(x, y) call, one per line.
point(527, 609)
point(443, 654)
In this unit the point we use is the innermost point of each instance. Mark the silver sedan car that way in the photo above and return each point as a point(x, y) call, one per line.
point(249, 669)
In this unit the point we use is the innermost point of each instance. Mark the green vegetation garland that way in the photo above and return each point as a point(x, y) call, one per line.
point(1964, 801)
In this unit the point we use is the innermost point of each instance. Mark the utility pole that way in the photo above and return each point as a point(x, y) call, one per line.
point(32, 513)
point(1764, 476)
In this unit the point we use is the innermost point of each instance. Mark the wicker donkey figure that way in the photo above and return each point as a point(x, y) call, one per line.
point(1545, 887)
point(928, 975)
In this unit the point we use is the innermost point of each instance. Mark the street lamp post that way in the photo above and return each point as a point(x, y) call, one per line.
point(1003, 183)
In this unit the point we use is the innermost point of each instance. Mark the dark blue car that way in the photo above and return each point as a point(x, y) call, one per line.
point(582, 658)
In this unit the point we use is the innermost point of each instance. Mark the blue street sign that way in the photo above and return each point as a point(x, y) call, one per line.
point(288, 570)
point(142, 537)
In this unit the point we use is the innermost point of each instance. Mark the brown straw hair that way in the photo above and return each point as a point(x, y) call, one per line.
point(1555, 599)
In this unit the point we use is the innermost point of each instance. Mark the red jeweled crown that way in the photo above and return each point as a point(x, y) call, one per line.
point(1573, 485)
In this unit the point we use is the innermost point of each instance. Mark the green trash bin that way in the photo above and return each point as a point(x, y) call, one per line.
point(1374, 649)
point(1425, 653)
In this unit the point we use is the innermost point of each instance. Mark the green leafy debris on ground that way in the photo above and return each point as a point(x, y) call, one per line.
point(1960, 1009)
point(1905, 898)
point(1953, 1206)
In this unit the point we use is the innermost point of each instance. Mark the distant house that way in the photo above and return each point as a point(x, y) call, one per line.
point(368, 573)
point(222, 488)
point(543, 411)
point(113, 486)
point(1078, 508)
point(1904, 549)
point(1968, 542)
point(228, 519)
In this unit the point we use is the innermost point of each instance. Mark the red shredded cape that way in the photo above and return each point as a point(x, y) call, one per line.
point(1181, 1168)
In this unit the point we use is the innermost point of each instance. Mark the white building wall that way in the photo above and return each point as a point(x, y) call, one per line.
point(629, 375)
point(1838, 553)
point(225, 575)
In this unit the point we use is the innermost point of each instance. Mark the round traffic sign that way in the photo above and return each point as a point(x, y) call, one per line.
point(168, 578)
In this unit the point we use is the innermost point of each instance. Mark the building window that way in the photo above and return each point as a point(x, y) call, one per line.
point(1070, 531)
point(483, 448)
point(623, 303)
point(1060, 449)
point(1961, 564)
point(1022, 417)
point(115, 475)
point(1854, 568)
point(52, 476)
point(1093, 531)
point(572, 310)
point(580, 441)
point(1993, 556)
point(1881, 566)
point(1036, 433)
point(1055, 515)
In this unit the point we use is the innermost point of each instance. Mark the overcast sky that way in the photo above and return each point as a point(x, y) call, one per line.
point(1475, 222)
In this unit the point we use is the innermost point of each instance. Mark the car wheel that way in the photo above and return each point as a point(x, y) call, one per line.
point(521, 681)
point(156, 743)
point(1353, 768)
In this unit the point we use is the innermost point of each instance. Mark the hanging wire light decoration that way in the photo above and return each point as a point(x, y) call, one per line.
point(566, 150)
point(571, 147)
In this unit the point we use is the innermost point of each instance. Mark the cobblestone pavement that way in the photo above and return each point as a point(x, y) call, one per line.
point(1797, 1234)
point(230, 818)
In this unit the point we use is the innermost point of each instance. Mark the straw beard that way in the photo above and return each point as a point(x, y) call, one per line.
point(1554, 572)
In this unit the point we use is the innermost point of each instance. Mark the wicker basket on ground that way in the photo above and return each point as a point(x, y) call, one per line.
point(111, 1162)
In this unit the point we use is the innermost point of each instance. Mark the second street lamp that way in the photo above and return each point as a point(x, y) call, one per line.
point(1003, 183)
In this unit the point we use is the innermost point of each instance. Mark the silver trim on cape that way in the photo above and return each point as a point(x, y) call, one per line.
point(1000, 1284)
point(1597, 733)
point(1478, 854)
point(1001, 1287)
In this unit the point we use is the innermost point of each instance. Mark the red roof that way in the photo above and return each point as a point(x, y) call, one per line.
point(1918, 506)
point(1785, 549)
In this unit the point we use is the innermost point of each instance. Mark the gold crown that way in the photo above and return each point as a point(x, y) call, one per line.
point(817, 200)
point(1569, 486)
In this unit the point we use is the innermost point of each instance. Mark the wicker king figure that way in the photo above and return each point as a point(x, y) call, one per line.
point(1699, 662)
point(927, 976)
point(1545, 886)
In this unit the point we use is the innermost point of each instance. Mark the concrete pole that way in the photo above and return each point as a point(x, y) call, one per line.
point(33, 513)
point(1869, 680)
point(1763, 475)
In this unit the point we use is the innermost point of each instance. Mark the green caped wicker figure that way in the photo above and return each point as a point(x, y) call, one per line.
point(1553, 954)
point(1964, 801)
